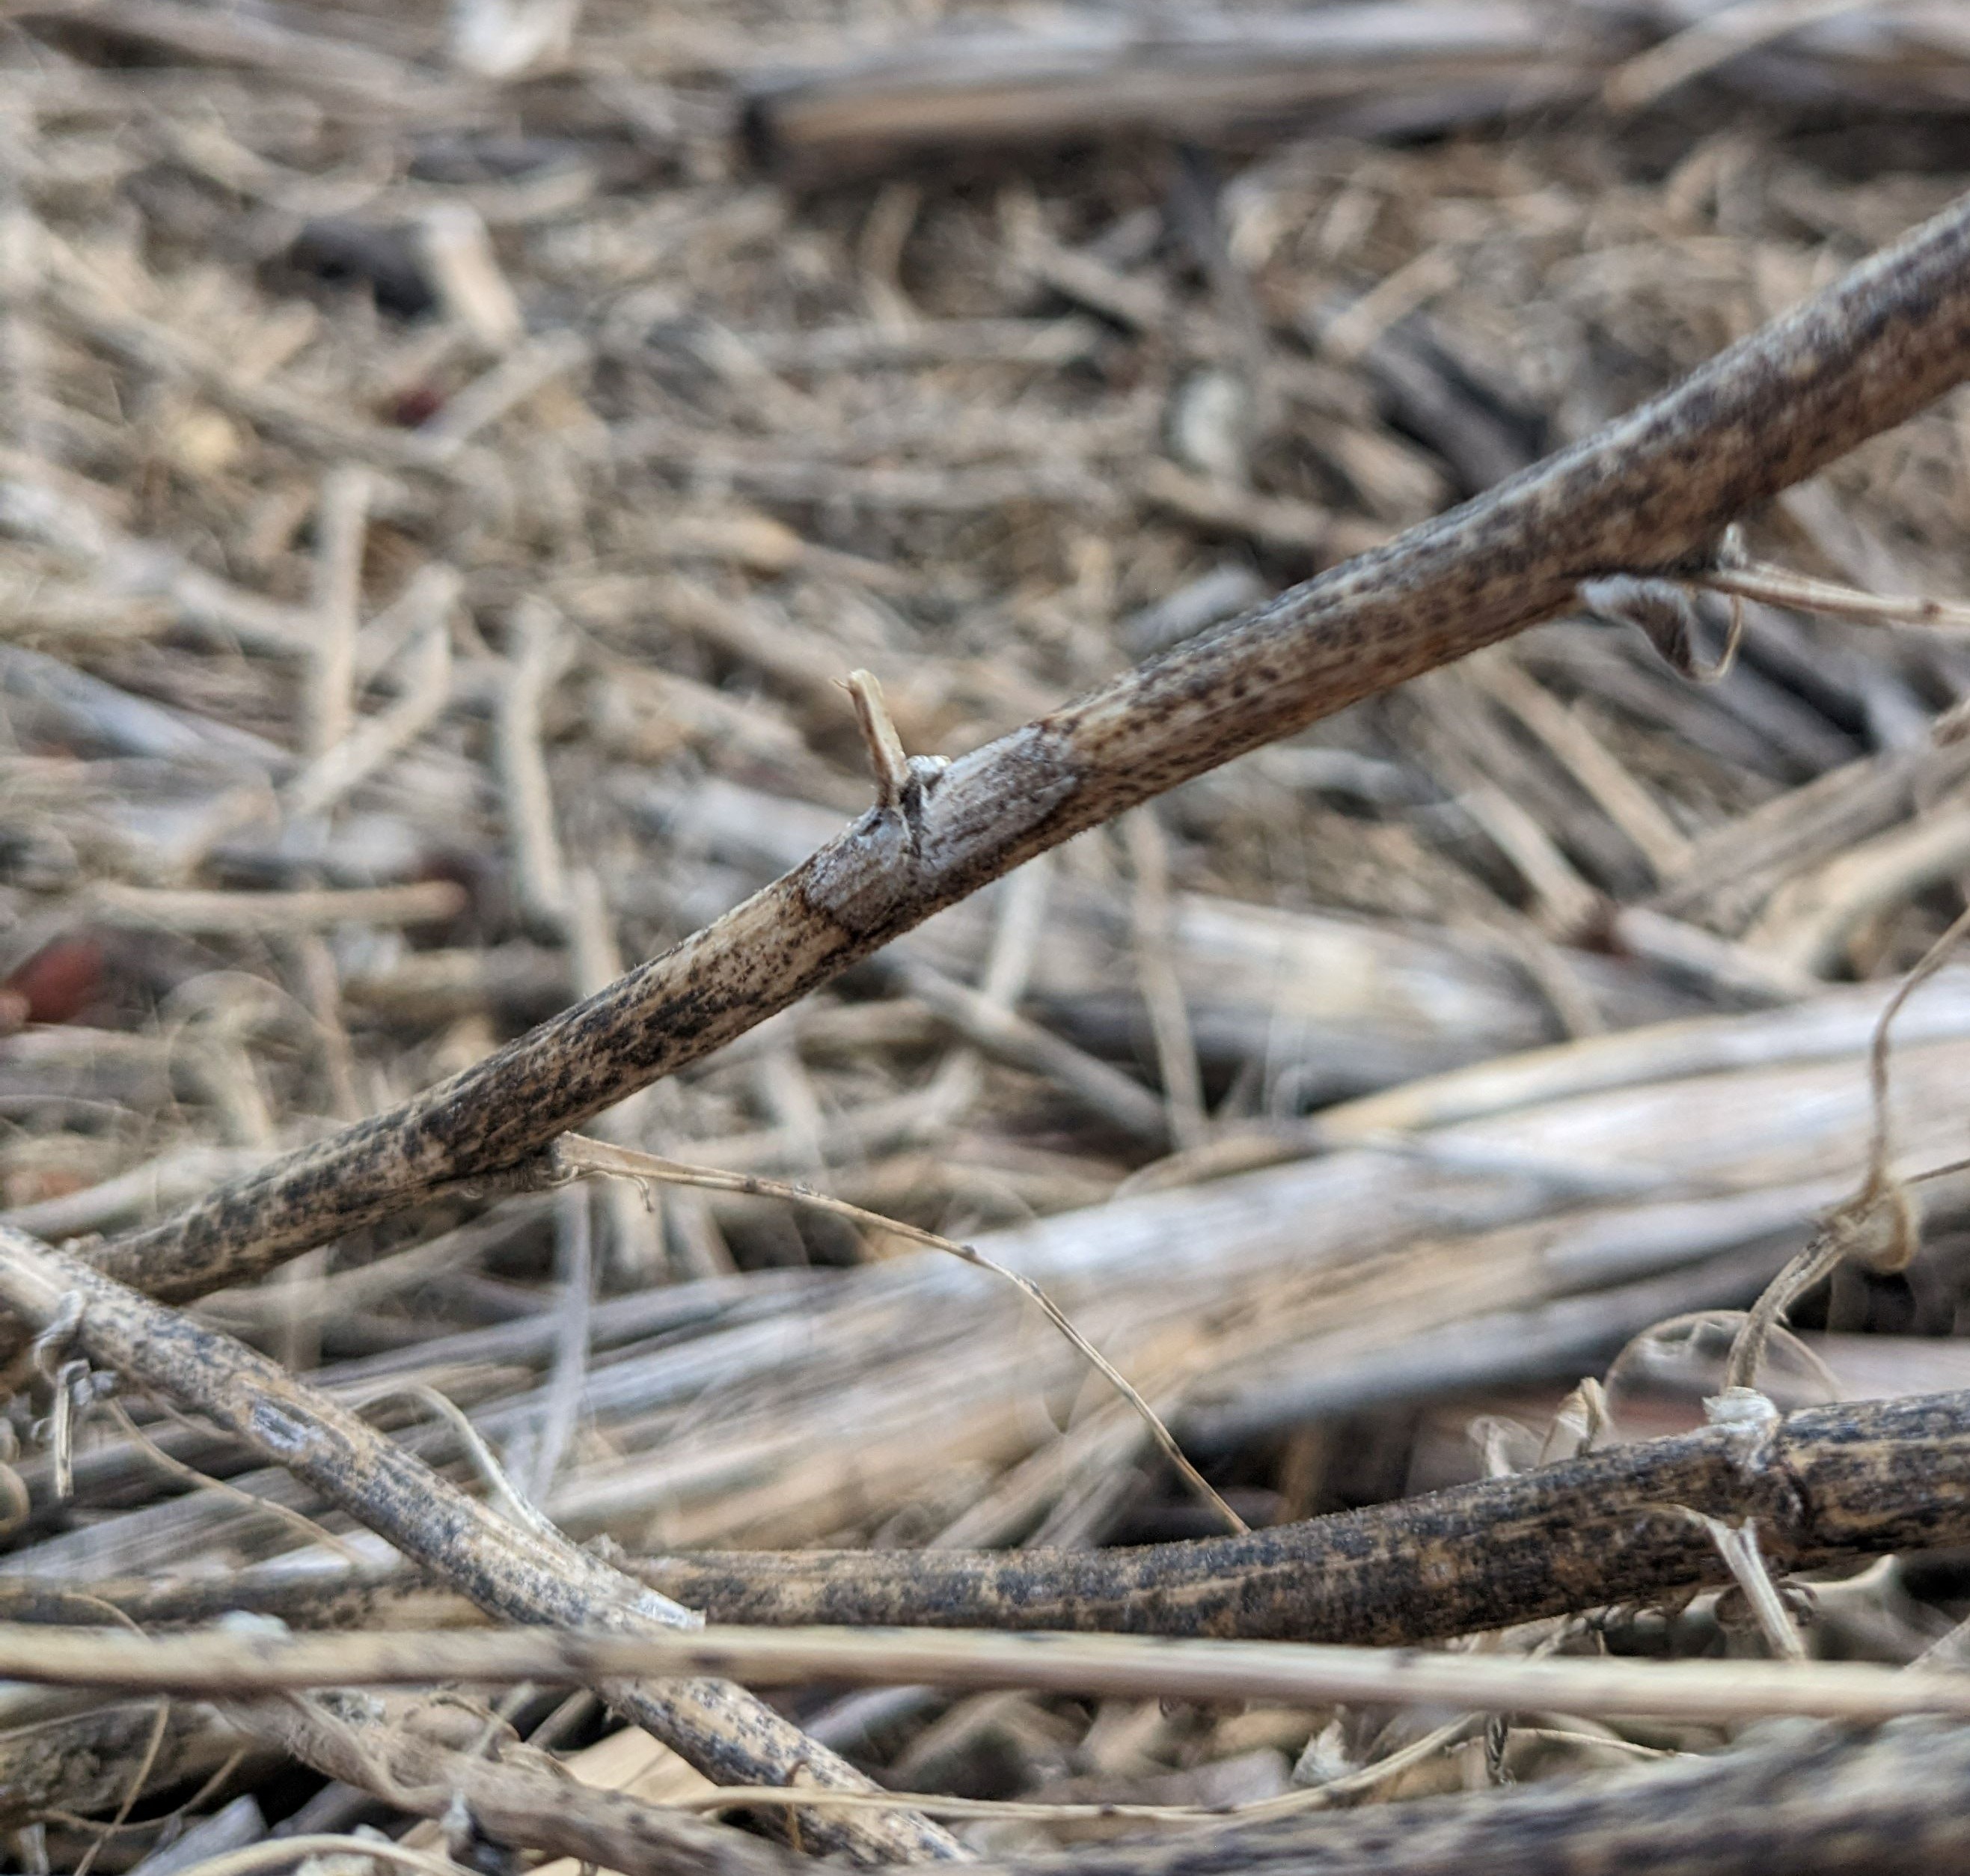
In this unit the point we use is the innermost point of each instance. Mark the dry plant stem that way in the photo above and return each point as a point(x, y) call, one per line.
point(1607, 1527)
point(1012, 1038)
point(1155, 973)
point(373, 740)
point(213, 1663)
point(1650, 492)
point(634, 1246)
point(1710, 42)
point(1611, 1526)
point(1808, 928)
point(1779, 586)
point(574, 1259)
point(221, 914)
point(1620, 797)
point(82, 1763)
point(1738, 1546)
point(576, 1155)
point(330, 699)
point(1079, 71)
point(541, 655)
point(515, 1796)
point(1353, 1784)
point(276, 1855)
point(527, 1575)
point(1811, 1801)
point(1879, 1226)
point(886, 759)
point(1812, 1267)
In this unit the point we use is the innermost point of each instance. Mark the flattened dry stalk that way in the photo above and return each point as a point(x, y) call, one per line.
point(1651, 492)
point(528, 1574)
point(575, 1156)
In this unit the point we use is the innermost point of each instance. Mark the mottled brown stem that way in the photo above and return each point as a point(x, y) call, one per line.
point(530, 1575)
point(1650, 492)
point(1832, 1483)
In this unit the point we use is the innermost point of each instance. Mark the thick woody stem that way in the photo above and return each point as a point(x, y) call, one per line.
point(1829, 1484)
point(1650, 493)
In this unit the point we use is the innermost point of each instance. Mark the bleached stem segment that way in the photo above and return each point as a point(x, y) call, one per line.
point(211, 1662)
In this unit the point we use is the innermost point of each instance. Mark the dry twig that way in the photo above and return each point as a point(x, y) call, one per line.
point(1651, 493)
point(212, 1663)
point(525, 1573)
point(1607, 1527)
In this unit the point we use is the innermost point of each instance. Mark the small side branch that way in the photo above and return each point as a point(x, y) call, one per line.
point(890, 766)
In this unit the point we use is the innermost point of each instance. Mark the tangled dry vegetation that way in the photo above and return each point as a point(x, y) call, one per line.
point(450, 466)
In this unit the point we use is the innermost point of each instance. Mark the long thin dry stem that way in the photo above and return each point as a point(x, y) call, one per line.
point(1650, 492)
point(577, 1155)
point(212, 1663)
point(521, 1573)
